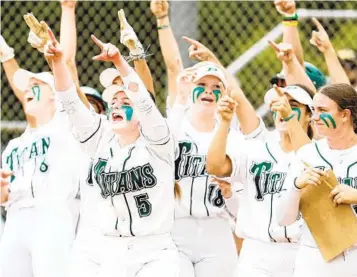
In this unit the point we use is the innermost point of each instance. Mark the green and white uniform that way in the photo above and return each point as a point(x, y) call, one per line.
point(261, 166)
point(135, 184)
point(309, 261)
point(42, 211)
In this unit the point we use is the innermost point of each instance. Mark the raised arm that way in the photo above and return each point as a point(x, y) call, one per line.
point(10, 65)
point(321, 40)
point(7, 58)
point(294, 72)
point(68, 39)
point(129, 38)
point(153, 125)
point(287, 8)
point(87, 125)
point(68, 36)
point(217, 161)
point(169, 48)
point(176, 114)
point(248, 119)
point(39, 37)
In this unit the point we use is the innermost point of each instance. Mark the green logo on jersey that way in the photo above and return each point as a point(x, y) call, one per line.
point(266, 181)
point(189, 164)
point(116, 183)
point(349, 181)
point(17, 158)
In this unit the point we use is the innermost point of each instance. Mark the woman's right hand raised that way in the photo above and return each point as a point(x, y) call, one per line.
point(53, 50)
point(109, 52)
point(226, 105)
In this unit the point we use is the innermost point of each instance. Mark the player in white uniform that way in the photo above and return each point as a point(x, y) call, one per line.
point(41, 219)
point(335, 118)
point(133, 170)
point(201, 215)
point(261, 166)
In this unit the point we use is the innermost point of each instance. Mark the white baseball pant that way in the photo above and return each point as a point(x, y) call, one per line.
point(310, 263)
point(36, 243)
point(262, 259)
point(206, 247)
point(85, 260)
point(144, 256)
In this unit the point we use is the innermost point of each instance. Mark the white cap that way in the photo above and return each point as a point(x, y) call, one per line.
point(298, 93)
point(108, 76)
point(22, 78)
point(210, 69)
point(110, 91)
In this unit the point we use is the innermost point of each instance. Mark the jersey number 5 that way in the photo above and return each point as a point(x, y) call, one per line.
point(143, 204)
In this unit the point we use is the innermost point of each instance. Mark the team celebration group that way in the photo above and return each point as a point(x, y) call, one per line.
point(102, 184)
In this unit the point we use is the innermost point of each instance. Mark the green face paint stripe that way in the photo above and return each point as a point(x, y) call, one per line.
point(197, 91)
point(274, 115)
point(325, 121)
point(325, 116)
point(297, 111)
point(37, 92)
point(217, 93)
point(128, 111)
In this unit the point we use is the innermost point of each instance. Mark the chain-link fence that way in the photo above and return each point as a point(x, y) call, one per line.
point(232, 29)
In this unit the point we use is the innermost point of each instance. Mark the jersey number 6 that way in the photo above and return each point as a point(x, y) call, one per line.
point(143, 204)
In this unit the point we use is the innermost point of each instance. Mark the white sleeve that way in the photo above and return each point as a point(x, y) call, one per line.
point(260, 133)
point(87, 126)
point(175, 118)
point(235, 151)
point(307, 154)
point(154, 127)
point(232, 203)
point(289, 210)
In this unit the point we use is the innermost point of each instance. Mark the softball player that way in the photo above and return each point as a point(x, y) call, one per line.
point(201, 215)
point(133, 170)
point(335, 118)
point(261, 166)
point(41, 215)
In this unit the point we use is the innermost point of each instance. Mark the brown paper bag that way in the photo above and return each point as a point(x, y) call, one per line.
point(333, 228)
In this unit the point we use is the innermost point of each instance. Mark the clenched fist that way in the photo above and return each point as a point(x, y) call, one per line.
point(159, 8)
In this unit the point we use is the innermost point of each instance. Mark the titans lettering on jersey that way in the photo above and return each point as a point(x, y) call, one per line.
point(116, 183)
point(266, 181)
point(18, 157)
point(188, 164)
point(349, 181)
point(193, 165)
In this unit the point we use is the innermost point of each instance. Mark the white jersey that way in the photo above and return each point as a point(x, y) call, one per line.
point(44, 161)
point(201, 196)
point(136, 182)
point(319, 154)
point(261, 166)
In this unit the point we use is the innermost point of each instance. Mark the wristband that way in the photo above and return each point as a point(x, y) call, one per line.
point(293, 17)
point(293, 23)
point(162, 17)
point(289, 117)
point(163, 27)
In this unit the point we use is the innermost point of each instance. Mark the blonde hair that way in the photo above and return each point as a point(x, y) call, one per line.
point(177, 191)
